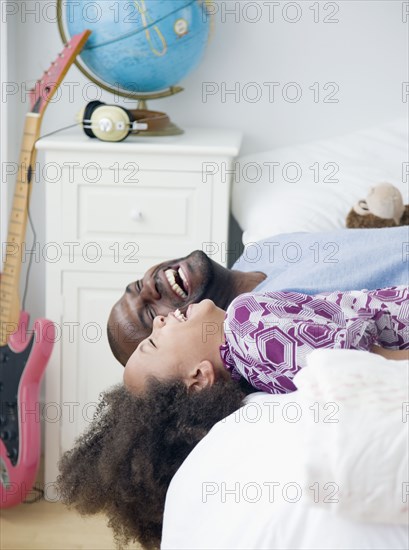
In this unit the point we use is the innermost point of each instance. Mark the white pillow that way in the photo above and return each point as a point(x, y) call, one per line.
point(312, 187)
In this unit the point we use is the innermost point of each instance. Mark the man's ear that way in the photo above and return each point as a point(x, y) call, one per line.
point(202, 376)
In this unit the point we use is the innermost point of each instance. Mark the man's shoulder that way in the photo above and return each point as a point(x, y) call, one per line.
point(260, 255)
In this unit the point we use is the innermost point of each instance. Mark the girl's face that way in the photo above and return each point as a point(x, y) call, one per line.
point(180, 347)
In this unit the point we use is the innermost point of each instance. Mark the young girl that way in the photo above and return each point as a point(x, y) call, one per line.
point(265, 338)
point(123, 464)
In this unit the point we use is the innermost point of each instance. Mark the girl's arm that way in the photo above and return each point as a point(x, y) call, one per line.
point(396, 354)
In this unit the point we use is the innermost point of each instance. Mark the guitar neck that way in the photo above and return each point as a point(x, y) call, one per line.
point(15, 245)
point(40, 96)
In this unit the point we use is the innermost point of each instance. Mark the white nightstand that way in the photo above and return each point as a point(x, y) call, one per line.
point(112, 211)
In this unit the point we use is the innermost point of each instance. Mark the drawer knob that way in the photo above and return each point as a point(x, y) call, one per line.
point(136, 215)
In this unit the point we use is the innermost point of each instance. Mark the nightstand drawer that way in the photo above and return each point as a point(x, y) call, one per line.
point(163, 210)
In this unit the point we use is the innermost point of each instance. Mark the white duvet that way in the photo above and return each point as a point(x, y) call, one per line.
point(324, 467)
point(365, 448)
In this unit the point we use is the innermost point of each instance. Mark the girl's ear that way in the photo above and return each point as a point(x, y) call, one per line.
point(202, 376)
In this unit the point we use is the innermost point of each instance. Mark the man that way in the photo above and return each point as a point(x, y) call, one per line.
point(351, 259)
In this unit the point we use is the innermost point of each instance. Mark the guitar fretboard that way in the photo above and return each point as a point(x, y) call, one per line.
point(9, 284)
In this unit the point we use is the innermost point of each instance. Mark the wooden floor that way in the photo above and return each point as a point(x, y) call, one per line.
point(51, 526)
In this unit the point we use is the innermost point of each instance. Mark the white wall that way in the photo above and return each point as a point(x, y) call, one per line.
point(365, 54)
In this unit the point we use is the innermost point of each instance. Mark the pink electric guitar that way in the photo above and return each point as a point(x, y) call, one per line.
point(23, 357)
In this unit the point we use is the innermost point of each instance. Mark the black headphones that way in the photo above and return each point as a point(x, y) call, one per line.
point(115, 123)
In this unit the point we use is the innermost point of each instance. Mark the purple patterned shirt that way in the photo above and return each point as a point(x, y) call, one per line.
point(268, 336)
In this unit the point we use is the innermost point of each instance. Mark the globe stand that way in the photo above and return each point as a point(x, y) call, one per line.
point(171, 129)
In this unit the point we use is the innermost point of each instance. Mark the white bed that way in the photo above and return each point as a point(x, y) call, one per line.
point(366, 453)
point(265, 479)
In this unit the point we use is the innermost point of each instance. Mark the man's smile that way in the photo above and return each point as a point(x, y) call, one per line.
point(178, 282)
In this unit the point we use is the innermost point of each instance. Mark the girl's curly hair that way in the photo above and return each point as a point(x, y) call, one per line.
point(123, 464)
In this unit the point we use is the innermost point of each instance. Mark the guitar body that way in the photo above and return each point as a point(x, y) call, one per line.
point(22, 365)
point(23, 358)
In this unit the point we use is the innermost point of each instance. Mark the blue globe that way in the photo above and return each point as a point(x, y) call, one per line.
point(141, 45)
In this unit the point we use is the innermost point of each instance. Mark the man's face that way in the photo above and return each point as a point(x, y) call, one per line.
point(165, 287)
